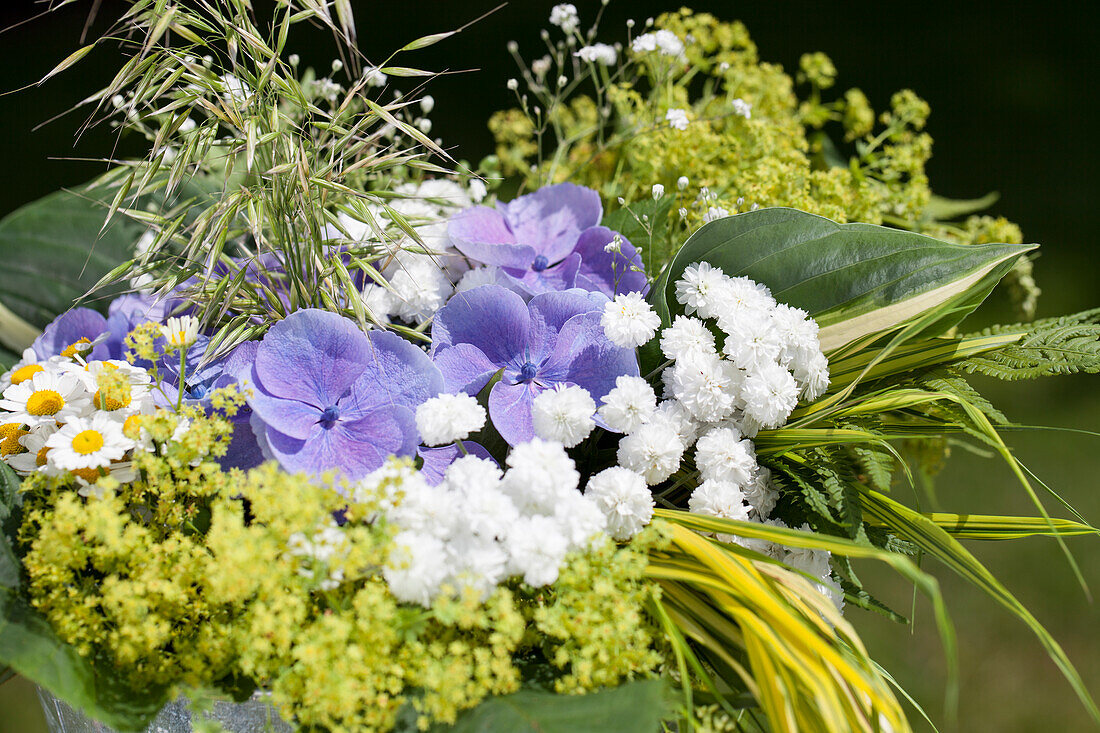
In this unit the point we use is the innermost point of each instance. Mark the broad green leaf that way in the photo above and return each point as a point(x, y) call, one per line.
point(854, 279)
point(53, 253)
point(629, 708)
point(943, 209)
point(10, 501)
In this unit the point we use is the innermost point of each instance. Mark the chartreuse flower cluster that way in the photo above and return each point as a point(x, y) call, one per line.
point(191, 575)
point(687, 106)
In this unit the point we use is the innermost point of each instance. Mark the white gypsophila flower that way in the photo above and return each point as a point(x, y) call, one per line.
point(581, 521)
point(477, 190)
point(449, 417)
point(539, 471)
point(536, 548)
point(721, 454)
point(625, 500)
point(467, 472)
point(766, 547)
point(664, 41)
point(682, 182)
point(319, 550)
point(563, 414)
point(676, 416)
point(374, 77)
point(629, 405)
point(686, 336)
point(48, 397)
point(180, 332)
point(751, 341)
point(83, 443)
point(706, 385)
point(742, 108)
point(598, 53)
point(378, 301)
point(812, 376)
point(416, 567)
point(795, 328)
point(658, 191)
point(477, 565)
point(564, 16)
point(719, 499)
point(769, 394)
point(714, 213)
point(759, 493)
point(34, 457)
point(815, 563)
point(677, 119)
point(419, 285)
point(426, 509)
point(700, 288)
point(540, 66)
point(653, 450)
point(740, 295)
point(629, 321)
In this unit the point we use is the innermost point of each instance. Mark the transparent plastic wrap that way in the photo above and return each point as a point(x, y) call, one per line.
point(252, 716)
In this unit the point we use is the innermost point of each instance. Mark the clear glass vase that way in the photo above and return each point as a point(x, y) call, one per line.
point(253, 716)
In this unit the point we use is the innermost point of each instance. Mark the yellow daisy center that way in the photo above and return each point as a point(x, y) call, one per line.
point(40, 459)
point(78, 347)
point(113, 400)
point(24, 373)
point(132, 426)
point(12, 429)
point(45, 402)
point(91, 475)
point(87, 442)
point(11, 446)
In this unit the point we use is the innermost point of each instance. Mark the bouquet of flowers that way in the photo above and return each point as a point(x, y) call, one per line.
point(585, 436)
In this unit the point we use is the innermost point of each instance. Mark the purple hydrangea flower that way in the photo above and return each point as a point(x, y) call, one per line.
point(327, 396)
point(129, 311)
point(68, 329)
point(545, 241)
point(437, 460)
point(554, 339)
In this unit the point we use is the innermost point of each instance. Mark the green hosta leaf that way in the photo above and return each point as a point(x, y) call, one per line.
point(630, 708)
point(53, 253)
point(854, 279)
point(10, 501)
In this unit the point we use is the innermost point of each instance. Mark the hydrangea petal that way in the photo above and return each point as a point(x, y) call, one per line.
point(465, 368)
point(353, 448)
point(611, 273)
point(561, 276)
point(510, 410)
point(549, 312)
point(489, 317)
point(67, 329)
point(292, 418)
point(288, 358)
point(589, 358)
point(551, 218)
point(396, 373)
point(436, 460)
point(482, 234)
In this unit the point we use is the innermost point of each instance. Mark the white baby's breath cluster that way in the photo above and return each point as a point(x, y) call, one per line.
point(55, 420)
point(447, 418)
point(418, 278)
point(481, 526)
point(316, 552)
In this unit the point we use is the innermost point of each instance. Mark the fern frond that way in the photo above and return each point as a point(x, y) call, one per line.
point(1063, 345)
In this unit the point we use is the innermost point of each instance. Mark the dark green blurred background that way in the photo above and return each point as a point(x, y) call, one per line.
point(1014, 109)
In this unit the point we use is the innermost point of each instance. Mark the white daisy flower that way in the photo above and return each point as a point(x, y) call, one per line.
point(180, 332)
point(87, 443)
point(47, 397)
point(34, 445)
